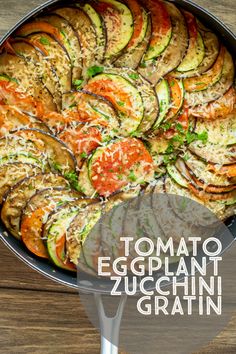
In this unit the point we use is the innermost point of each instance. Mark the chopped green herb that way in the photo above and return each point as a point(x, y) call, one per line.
point(94, 70)
point(120, 177)
point(186, 157)
point(179, 127)
point(166, 126)
point(143, 64)
point(83, 155)
point(44, 41)
point(132, 176)
point(57, 166)
point(73, 105)
point(134, 76)
point(120, 103)
point(78, 84)
point(73, 179)
point(203, 136)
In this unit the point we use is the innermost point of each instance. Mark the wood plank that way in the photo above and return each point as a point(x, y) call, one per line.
point(52, 323)
point(16, 274)
point(225, 10)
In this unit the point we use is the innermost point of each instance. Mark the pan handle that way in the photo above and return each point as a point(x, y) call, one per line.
point(109, 326)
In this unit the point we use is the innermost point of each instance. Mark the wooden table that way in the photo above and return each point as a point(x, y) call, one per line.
point(41, 317)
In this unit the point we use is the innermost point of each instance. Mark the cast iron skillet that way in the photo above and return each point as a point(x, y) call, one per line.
point(44, 267)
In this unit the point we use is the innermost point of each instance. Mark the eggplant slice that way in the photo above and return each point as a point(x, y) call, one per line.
point(17, 198)
point(56, 152)
point(43, 67)
point(12, 173)
point(11, 119)
point(153, 71)
point(26, 76)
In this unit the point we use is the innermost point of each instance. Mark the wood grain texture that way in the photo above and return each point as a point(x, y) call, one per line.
point(38, 316)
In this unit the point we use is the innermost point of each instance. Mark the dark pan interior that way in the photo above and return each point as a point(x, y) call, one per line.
point(16, 246)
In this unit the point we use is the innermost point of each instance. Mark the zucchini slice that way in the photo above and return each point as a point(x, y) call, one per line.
point(84, 182)
point(124, 96)
point(120, 164)
point(196, 50)
point(79, 229)
point(91, 108)
point(69, 39)
point(147, 93)
point(58, 57)
point(119, 26)
point(36, 213)
point(176, 176)
point(164, 98)
point(28, 82)
point(57, 153)
point(82, 24)
point(99, 27)
point(43, 67)
point(212, 48)
point(209, 78)
point(217, 109)
point(137, 46)
point(18, 196)
point(219, 131)
point(161, 29)
point(55, 231)
point(154, 70)
point(216, 91)
point(12, 173)
point(11, 119)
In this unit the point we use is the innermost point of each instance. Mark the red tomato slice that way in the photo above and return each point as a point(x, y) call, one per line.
point(82, 140)
point(31, 231)
point(138, 23)
point(112, 169)
point(10, 95)
point(61, 253)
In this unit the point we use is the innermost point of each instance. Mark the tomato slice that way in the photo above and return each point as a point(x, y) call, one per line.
point(10, 95)
point(183, 120)
point(229, 171)
point(82, 140)
point(31, 231)
point(161, 28)
point(177, 97)
point(40, 26)
point(138, 23)
point(61, 253)
point(119, 164)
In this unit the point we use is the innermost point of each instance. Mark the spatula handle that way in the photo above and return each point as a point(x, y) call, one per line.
point(110, 326)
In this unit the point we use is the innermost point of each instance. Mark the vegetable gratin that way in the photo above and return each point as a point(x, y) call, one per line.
point(101, 101)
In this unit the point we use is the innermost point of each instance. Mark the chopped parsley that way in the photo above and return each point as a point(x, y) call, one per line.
point(94, 70)
point(134, 76)
point(120, 103)
point(132, 176)
point(73, 179)
point(78, 84)
point(44, 41)
point(191, 137)
point(83, 155)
